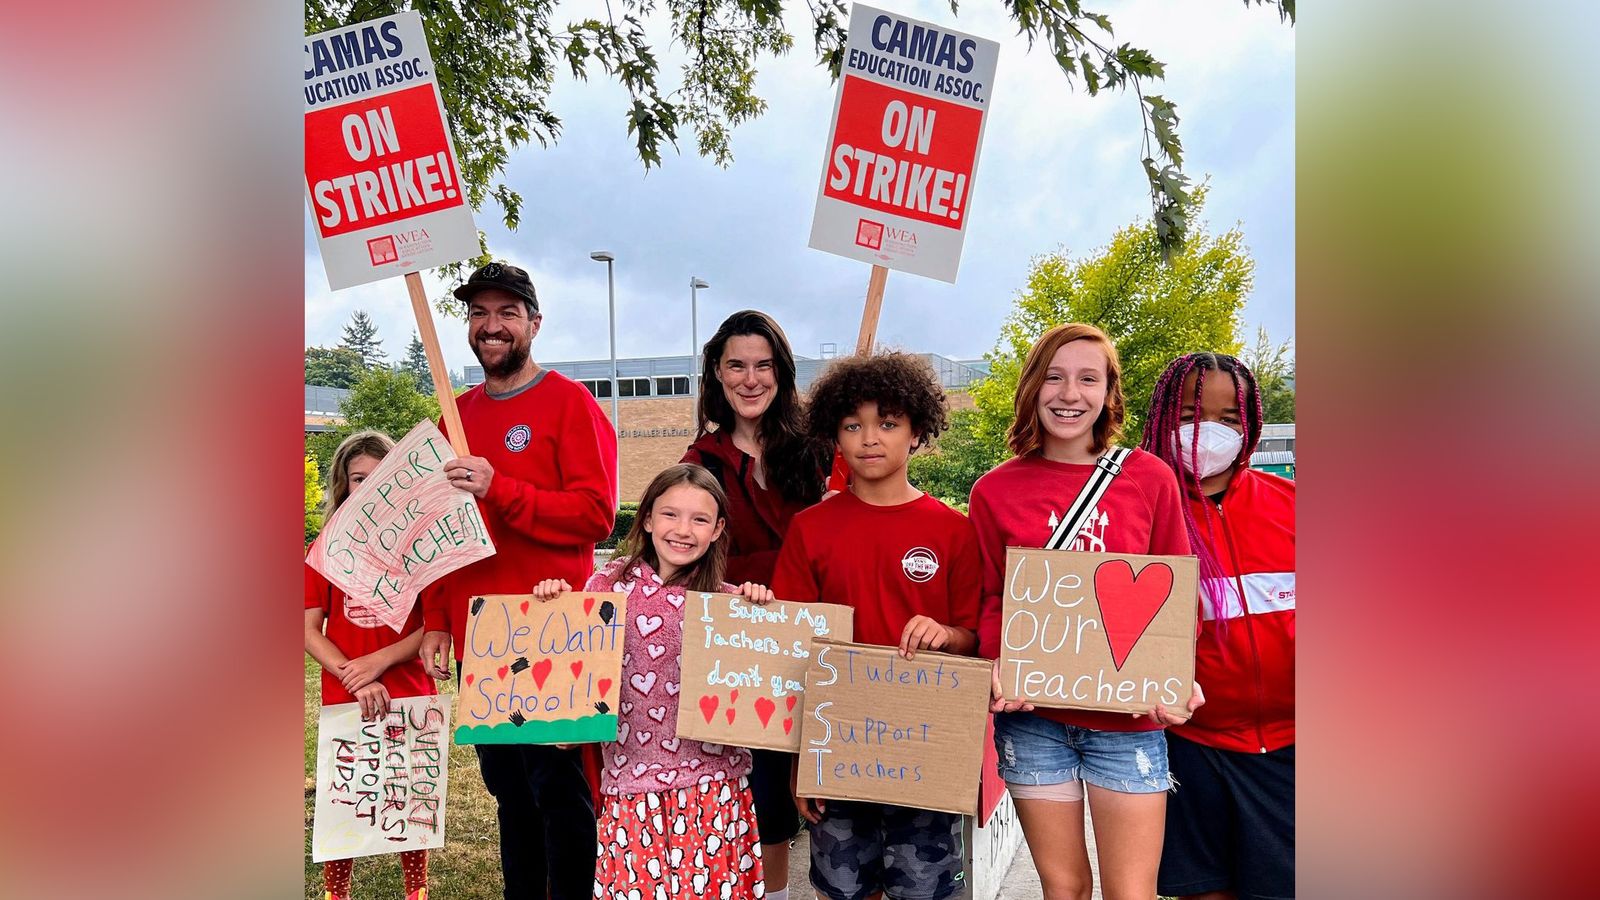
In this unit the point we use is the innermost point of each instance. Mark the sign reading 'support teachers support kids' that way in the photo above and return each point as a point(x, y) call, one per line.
point(903, 731)
point(907, 124)
point(381, 784)
point(744, 667)
point(401, 530)
point(542, 673)
point(381, 172)
point(1098, 630)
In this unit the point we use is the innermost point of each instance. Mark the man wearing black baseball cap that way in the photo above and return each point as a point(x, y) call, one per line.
point(544, 472)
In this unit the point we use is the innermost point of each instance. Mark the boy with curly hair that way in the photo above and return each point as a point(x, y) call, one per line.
point(909, 566)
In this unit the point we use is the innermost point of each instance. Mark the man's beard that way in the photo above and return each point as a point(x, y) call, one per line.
point(516, 357)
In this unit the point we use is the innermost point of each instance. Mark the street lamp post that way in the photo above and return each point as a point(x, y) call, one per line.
point(608, 258)
point(695, 284)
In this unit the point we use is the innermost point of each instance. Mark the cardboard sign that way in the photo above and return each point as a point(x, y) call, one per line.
point(381, 784)
point(1098, 630)
point(401, 530)
point(908, 121)
point(541, 673)
point(381, 173)
point(882, 728)
point(744, 667)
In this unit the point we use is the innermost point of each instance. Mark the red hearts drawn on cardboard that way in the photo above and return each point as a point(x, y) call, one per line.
point(764, 710)
point(733, 696)
point(588, 605)
point(469, 679)
point(729, 713)
point(577, 668)
point(502, 672)
point(605, 685)
point(708, 706)
point(788, 703)
point(1129, 602)
point(541, 671)
point(524, 607)
point(788, 725)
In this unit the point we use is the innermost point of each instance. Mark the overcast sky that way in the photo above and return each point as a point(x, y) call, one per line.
point(1058, 169)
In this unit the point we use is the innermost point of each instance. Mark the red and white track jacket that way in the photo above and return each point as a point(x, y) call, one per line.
point(1245, 663)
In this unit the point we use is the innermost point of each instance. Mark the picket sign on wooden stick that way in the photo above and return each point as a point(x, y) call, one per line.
point(870, 312)
point(441, 375)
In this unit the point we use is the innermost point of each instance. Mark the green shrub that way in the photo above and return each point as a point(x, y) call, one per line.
point(619, 531)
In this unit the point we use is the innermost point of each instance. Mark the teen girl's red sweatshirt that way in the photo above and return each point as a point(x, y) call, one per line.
point(1020, 502)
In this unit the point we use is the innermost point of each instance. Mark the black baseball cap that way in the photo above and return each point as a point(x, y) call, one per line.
point(500, 276)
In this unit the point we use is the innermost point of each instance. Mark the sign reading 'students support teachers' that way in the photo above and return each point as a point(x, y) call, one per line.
point(907, 124)
point(381, 172)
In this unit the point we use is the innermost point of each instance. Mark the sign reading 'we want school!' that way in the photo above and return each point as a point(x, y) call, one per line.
point(381, 172)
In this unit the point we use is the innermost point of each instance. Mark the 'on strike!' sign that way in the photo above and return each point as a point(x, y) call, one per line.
point(381, 172)
point(908, 121)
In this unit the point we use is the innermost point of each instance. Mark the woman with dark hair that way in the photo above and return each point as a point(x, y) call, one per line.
point(752, 438)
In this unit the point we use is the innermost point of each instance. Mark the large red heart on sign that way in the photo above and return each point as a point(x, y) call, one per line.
point(708, 706)
point(541, 671)
point(764, 710)
point(1129, 602)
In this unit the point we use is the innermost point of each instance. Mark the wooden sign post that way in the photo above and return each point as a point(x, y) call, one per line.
point(441, 375)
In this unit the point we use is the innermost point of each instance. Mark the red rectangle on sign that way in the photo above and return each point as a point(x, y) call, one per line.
point(379, 160)
point(903, 153)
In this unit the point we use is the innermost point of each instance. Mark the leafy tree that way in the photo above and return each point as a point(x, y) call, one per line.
point(957, 460)
point(497, 63)
point(1153, 312)
point(361, 338)
point(1273, 365)
point(416, 364)
point(313, 500)
point(337, 367)
point(386, 401)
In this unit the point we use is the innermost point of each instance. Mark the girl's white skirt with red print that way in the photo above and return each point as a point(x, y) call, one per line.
point(682, 844)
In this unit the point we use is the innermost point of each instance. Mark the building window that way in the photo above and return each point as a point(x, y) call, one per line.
point(677, 386)
point(599, 387)
point(633, 387)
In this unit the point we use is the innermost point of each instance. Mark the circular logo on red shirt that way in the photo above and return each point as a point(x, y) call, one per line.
point(518, 437)
point(919, 564)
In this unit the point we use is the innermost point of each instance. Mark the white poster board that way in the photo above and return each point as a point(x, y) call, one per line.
point(381, 784)
point(908, 122)
point(382, 179)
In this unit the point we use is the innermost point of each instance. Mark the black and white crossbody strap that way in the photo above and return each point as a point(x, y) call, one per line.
point(1107, 467)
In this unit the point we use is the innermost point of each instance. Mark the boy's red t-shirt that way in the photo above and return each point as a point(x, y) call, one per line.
point(356, 635)
point(890, 563)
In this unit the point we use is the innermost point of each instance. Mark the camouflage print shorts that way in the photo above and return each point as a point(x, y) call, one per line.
point(859, 849)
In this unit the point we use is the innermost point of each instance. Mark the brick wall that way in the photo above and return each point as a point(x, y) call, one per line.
point(655, 432)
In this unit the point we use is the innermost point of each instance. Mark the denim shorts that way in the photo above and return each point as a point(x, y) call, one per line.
point(1036, 750)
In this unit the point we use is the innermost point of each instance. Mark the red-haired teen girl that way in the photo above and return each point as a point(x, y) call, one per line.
point(1069, 411)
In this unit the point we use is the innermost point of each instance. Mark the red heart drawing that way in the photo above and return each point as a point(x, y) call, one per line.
point(605, 685)
point(1129, 603)
point(788, 704)
point(577, 668)
point(788, 724)
point(502, 672)
point(541, 671)
point(588, 604)
point(708, 706)
point(729, 713)
point(764, 710)
point(524, 607)
point(733, 696)
point(469, 679)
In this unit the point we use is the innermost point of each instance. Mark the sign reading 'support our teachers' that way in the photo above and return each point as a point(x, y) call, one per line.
point(908, 121)
point(381, 175)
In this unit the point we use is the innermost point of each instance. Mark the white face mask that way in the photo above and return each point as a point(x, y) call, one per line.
point(1219, 447)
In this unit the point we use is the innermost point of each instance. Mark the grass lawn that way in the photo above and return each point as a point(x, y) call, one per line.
point(468, 868)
